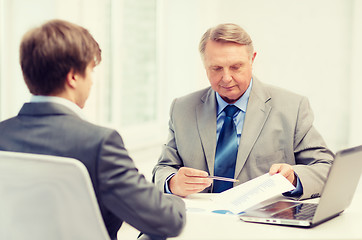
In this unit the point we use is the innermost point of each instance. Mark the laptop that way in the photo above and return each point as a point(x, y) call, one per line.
point(336, 196)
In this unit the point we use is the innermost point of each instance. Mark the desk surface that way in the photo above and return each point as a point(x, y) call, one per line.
point(202, 224)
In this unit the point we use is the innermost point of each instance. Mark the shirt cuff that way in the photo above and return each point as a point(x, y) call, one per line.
point(167, 189)
point(297, 192)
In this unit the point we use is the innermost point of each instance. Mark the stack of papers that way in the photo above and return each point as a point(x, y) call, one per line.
point(239, 198)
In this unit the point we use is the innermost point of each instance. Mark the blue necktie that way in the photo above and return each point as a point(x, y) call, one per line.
point(226, 151)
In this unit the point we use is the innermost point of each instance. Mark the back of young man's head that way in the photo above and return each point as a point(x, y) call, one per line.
point(49, 52)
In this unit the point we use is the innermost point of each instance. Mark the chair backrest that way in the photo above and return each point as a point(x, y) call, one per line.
point(47, 197)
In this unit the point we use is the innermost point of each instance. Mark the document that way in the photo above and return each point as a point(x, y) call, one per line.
point(239, 198)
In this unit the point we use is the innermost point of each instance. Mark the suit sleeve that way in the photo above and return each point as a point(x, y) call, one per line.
point(129, 196)
point(313, 158)
point(169, 161)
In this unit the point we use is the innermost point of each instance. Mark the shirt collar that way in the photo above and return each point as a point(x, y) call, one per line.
point(65, 102)
point(241, 103)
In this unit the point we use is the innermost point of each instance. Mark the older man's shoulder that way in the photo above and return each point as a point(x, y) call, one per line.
point(197, 96)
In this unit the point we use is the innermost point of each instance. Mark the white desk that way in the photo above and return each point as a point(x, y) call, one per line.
point(211, 226)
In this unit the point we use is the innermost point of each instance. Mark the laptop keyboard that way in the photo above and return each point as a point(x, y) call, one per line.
point(304, 211)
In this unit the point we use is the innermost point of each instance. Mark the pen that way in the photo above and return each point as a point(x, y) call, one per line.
point(223, 179)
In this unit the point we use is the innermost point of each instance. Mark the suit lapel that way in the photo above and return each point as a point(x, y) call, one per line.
point(206, 122)
point(256, 115)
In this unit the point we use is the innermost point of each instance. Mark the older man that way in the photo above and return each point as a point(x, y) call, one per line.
point(239, 127)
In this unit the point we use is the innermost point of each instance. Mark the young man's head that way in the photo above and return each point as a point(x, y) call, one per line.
point(54, 53)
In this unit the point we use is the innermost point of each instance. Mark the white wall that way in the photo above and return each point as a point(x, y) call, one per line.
point(355, 107)
point(16, 18)
point(310, 47)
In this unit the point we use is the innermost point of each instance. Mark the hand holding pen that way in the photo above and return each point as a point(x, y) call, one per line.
point(189, 180)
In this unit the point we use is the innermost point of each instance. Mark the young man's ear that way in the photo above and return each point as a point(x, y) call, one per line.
point(71, 79)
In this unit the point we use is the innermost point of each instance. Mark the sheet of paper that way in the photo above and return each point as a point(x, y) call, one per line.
point(259, 189)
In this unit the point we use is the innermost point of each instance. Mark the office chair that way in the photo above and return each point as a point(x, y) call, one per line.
point(47, 198)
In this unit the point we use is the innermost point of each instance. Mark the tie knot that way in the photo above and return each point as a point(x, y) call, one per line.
point(230, 110)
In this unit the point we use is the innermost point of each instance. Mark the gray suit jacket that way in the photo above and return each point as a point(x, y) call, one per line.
point(278, 128)
point(122, 193)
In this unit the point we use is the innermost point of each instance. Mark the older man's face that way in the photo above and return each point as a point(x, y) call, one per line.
point(229, 69)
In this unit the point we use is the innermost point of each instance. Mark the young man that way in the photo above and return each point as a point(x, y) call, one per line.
point(57, 60)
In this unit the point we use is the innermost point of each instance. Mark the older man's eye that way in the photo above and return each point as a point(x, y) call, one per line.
point(235, 67)
point(216, 68)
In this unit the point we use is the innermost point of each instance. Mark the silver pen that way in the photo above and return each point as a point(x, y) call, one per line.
point(223, 179)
